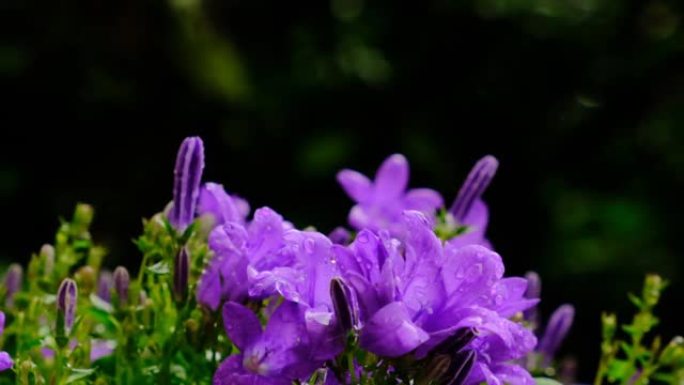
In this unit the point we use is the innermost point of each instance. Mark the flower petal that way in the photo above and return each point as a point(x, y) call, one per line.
point(392, 177)
point(241, 324)
point(391, 333)
point(355, 184)
point(5, 361)
point(423, 199)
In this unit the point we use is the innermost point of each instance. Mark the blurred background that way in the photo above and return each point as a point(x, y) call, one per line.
point(581, 100)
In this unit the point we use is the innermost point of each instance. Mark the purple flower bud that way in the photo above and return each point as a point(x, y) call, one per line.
point(67, 295)
point(474, 186)
point(346, 311)
point(533, 292)
point(556, 331)
point(180, 274)
point(436, 369)
point(104, 285)
point(339, 236)
point(458, 341)
point(461, 365)
point(121, 281)
point(186, 183)
point(13, 280)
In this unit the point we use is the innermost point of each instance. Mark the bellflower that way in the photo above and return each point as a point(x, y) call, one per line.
point(416, 293)
point(223, 207)
point(277, 355)
point(379, 203)
point(5, 359)
point(235, 246)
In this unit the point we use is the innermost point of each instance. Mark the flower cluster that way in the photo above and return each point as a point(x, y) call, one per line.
point(411, 292)
point(407, 296)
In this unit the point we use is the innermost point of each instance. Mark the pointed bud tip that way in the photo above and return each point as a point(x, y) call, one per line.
point(121, 282)
point(477, 181)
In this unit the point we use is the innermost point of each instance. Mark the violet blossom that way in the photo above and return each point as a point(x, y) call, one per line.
point(379, 203)
point(416, 293)
point(282, 352)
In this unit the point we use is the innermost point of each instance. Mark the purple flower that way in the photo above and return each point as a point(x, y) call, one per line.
point(224, 208)
point(235, 246)
point(416, 293)
point(187, 177)
point(381, 202)
point(5, 359)
point(284, 351)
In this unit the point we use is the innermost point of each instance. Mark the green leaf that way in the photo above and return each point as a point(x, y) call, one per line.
point(159, 268)
point(77, 374)
point(546, 381)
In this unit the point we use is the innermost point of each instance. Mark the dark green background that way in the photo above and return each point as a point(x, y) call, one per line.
point(582, 101)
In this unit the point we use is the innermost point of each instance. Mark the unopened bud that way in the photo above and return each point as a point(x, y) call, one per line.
point(83, 214)
point(474, 186)
point(47, 256)
point(67, 296)
point(181, 270)
point(104, 285)
point(186, 183)
point(121, 281)
point(13, 280)
point(673, 354)
point(556, 331)
point(86, 278)
point(346, 310)
point(461, 365)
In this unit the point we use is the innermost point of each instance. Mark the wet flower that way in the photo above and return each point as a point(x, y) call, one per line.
point(416, 293)
point(282, 352)
point(224, 208)
point(235, 247)
point(379, 203)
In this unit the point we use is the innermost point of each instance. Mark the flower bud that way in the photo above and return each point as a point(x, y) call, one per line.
point(533, 291)
point(653, 287)
point(436, 369)
point(186, 184)
point(67, 296)
point(180, 275)
point(346, 311)
point(83, 214)
point(47, 256)
point(474, 186)
point(121, 281)
point(556, 331)
point(13, 280)
point(673, 354)
point(104, 285)
point(461, 365)
point(86, 279)
point(458, 341)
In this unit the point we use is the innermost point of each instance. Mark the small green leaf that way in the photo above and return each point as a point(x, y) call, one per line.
point(77, 374)
point(546, 381)
point(159, 268)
